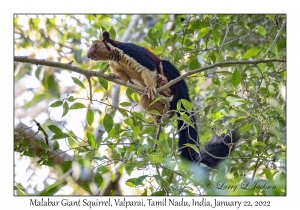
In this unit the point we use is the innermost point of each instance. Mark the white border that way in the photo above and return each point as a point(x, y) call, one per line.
point(8, 201)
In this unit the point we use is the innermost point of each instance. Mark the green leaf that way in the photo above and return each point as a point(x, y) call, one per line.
point(98, 179)
point(112, 33)
point(86, 187)
point(77, 105)
point(108, 122)
point(275, 49)
point(135, 97)
point(216, 36)
point(271, 16)
point(136, 132)
point(140, 180)
point(71, 99)
point(194, 64)
point(216, 80)
point(203, 32)
point(103, 83)
point(128, 121)
point(65, 166)
point(125, 104)
point(90, 117)
point(56, 104)
point(91, 140)
point(236, 78)
point(259, 143)
point(78, 82)
point(155, 100)
point(158, 178)
point(245, 128)
point(55, 145)
point(43, 145)
point(52, 189)
point(187, 104)
point(193, 146)
point(158, 50)
point(252, 52)
point(159, 193)
point(65, 109)
point(186, 119)
point(261, 30)
point(123, 112)
point(54, 129)
point(60, 136)
point(129, 92)
point(154, 112)
point(130, 182)
point(50, 84)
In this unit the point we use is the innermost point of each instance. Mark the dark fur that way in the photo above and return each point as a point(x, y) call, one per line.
point(215, 147)
point(218, 146)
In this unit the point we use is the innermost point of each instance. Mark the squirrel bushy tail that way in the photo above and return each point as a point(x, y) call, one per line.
point(217, 149)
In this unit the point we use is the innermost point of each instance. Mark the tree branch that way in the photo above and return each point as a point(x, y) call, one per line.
point(89, 73)
point(220, 64)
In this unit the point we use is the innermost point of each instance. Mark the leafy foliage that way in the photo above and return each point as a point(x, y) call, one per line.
point(249, 96)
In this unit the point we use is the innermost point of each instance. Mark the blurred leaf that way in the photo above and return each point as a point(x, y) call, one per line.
point(91, 140)
point(50, 84)
point(131, 182)
point(140, 179)
point(71, 99)
point(258, 143)
point(78, 82)
point(261, 30)
point(112, 33)
point(56, 104)
point(54, 129)
point(193, 146)
point(65, 109)
point(77, 105)
point(154, 112)
point(216, 80)
point(125, 104)
point(108, 122)
point(194, 64)
point(65, 166)
point(216, 36)
point(187, 104)
point(52, 189)
point(236, 78)
point(136, 132)
point(250, 53)
point(103, 83)
point(55, 145)
point(90, 116)
point(135, 97)
point(203, 32)
point(98, 179)
point(60, 136)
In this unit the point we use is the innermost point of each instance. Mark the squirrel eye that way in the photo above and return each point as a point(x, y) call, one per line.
point(95, 45)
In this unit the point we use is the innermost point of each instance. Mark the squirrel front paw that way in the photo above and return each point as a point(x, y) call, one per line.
point(114, 76)
point(151, 91)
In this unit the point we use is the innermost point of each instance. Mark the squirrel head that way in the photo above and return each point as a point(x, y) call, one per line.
point(101, 50)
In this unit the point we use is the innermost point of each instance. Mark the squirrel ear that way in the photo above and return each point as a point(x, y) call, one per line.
point(105, 35)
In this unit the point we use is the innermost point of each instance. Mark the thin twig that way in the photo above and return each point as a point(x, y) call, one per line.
point(275, 40)
point(41, 129)
point(90, 88)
